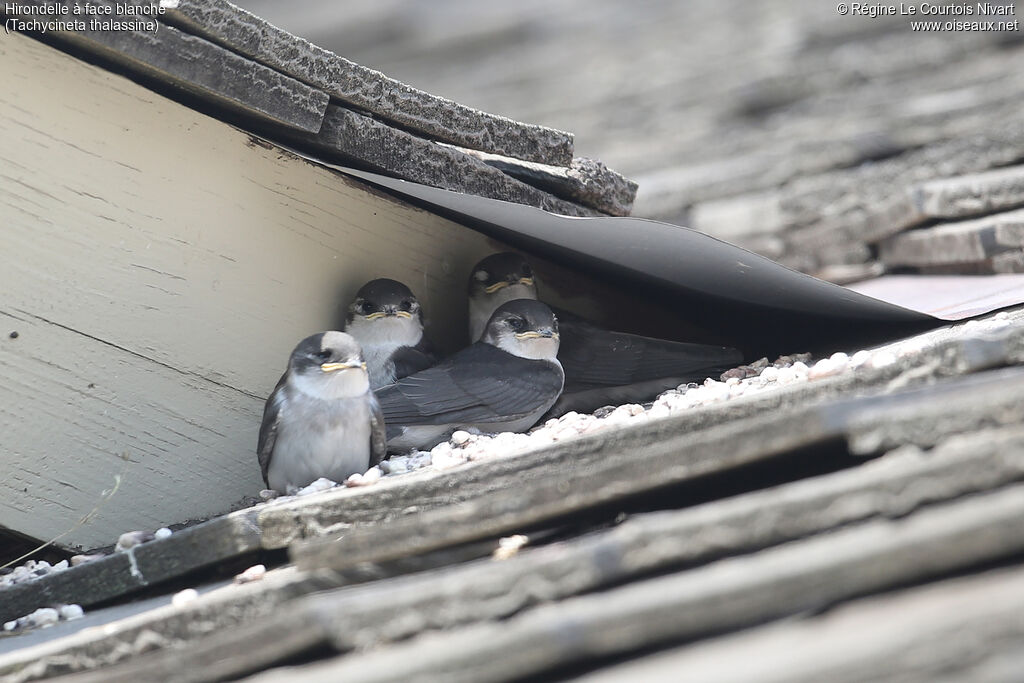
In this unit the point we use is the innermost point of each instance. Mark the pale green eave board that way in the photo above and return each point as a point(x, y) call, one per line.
point(158, 266)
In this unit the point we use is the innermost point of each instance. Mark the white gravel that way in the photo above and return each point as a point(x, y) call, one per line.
point(44, 617)
point(30, 571)
point(754, 378)
point(184, 597)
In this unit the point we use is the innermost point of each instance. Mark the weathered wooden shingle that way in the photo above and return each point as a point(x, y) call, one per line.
point(220, 630)
point(369, 90)
point(971, 195)
point(725, 595)
point(965, 629)
point(973, 241)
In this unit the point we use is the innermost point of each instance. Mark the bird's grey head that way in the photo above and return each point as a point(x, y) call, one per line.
point(497, 279)
point(328, 366)
point(498, 272)
point(524, 328)
point(385, 310)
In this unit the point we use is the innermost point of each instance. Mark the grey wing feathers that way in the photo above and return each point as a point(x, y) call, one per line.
point(467, 389)
point(592, 356)
point(409, 360)
point(268, 428)
point(378, 433)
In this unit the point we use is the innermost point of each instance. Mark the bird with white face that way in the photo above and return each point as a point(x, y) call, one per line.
point(387, 321)
point(322, 419)
point(601, 366)
point(502, 383)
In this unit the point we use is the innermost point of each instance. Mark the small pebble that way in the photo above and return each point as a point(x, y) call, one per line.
point(860, 358)
point(184, 597)
point(131, 539)
point(41, 618)
point(460, 437)
point(162, 532)
point(770, 374)
point(253, 573)
point(269, 494)
point(826, 367)
point(71, 612)
point(882, 359)
point(735, 373)
point(659, 410)
point(321, 484)
point(368, 478)
point(46, 616)
point(565, 433)
point(82, 559)
point(509, 546)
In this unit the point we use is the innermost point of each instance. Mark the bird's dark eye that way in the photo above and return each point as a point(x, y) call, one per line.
point(365, 308)
point(406, 305)
point(527, 271)
point(517, 324)
point(324, 355)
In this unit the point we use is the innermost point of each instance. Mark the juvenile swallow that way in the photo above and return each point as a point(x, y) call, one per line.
point(322, 419)
point(601, 366)
point(502, 383)
point(386, 319)
point(497, 279)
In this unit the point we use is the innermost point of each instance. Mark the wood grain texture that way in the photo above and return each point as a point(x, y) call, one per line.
point(172, 262)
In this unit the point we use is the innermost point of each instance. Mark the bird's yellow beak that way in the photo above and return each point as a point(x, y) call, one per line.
point(505, 283)
point(496, 286)
point(544, 334)
point(382, 314)
point(351, 365)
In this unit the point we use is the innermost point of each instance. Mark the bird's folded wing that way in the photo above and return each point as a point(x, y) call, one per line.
point(480, 384)
point(378, 433)
point(268, 428)
point(409, 360)
point(593, 356)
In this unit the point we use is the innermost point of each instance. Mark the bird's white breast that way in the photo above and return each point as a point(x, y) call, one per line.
point(379, 340)
point(319, 438)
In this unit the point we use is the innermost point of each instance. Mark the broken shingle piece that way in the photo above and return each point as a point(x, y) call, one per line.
point(351, 137)
point(977, 241)
point(586, 181)
point(971, 195)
